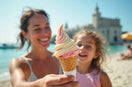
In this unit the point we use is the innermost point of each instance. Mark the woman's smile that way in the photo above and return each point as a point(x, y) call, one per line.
point(44, 41)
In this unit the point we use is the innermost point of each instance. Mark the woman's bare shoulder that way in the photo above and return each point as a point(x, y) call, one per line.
point(18, 60)
point(17, 63)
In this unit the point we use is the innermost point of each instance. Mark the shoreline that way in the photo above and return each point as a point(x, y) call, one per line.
point(119, 72)
point(4, 76)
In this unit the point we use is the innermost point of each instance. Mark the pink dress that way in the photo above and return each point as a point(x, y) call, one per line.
point(89, 80)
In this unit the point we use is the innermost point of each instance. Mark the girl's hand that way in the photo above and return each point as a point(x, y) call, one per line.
point(53, 80)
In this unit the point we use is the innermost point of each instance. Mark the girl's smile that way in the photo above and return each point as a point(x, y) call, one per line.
point(87, 48)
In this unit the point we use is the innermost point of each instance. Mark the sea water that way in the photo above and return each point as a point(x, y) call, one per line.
point(7, 54)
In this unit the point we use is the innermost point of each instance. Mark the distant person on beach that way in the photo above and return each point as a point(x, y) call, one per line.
point(37, 68)
point(128, 55)
point(90, 58)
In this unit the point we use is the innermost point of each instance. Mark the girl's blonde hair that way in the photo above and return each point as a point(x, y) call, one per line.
point(99, 43)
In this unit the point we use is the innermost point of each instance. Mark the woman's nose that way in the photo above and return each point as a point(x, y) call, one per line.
point(44, 31)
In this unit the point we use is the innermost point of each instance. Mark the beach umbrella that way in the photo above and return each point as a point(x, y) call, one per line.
point(127, 36)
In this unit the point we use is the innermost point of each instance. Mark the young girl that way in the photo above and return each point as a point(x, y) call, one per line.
point(91, 55)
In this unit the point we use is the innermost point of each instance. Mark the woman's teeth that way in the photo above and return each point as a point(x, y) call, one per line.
point(44, 39)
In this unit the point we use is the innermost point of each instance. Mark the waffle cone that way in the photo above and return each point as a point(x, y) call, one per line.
point(68, 64)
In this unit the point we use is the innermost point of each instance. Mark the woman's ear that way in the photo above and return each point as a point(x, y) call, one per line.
point(96, 55)
point(25, 34)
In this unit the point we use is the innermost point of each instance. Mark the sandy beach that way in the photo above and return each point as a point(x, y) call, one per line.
point(120, 72)
point(5, 83)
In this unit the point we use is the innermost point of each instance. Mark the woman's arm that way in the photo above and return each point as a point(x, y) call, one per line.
point(105, 81)
point(18, 78)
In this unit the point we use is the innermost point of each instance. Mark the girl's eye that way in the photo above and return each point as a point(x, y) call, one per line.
point(88, 46)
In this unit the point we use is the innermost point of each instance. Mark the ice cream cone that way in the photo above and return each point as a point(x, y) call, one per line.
point(69, 65)
point(66, 52)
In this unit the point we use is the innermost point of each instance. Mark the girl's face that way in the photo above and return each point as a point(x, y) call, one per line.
point(87, 48)
point(39, 32)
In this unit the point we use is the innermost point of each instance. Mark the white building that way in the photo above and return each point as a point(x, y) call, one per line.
point(110, 28)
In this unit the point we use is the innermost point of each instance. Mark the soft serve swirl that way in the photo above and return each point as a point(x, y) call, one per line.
point(65, 46)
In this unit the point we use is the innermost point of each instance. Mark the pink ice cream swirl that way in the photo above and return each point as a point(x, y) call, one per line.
point(65, 46)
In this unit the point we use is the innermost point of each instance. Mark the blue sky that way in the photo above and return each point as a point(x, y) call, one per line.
point(74, 12)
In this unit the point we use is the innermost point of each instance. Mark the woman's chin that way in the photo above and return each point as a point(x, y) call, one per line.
point(45, 45)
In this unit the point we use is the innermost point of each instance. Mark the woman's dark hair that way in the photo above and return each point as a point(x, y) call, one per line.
point(24, 24)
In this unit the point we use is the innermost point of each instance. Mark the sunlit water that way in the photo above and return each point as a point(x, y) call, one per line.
point(7, 54)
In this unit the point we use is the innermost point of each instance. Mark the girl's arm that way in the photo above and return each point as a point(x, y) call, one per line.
point(18, 78)
point(105, 81)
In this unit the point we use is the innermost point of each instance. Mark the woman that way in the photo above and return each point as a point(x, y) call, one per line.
point(38, 68)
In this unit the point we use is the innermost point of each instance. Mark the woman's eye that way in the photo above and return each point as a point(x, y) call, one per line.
point(38, 29)
point(47, 28)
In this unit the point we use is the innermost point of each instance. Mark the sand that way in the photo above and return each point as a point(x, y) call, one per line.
point(5, 83)
point(120, 72)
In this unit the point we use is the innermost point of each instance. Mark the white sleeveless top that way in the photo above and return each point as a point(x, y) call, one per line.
point(32, 76)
